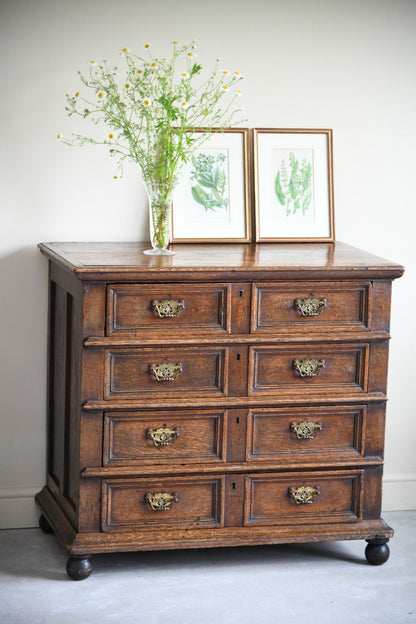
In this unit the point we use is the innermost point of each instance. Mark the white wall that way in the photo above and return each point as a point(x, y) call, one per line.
point(346, 65)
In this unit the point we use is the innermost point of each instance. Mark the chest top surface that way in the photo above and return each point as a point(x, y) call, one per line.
point(103, 261)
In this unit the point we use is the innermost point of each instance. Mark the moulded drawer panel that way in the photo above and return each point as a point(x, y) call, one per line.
point(135, 309)
point(309, 306)
point(159, 373)
point(307, 433)
point(309, 368)
point(303, 497)
point(161, 437)
point(127, 503)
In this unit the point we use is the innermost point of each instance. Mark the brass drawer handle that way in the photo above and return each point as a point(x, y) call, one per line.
point(161, 501)
point(310, 306)
point(305, 494)
point(165, 371)
point(308, 367)
point(306, 430)
point(163, 436)
point(168, 308)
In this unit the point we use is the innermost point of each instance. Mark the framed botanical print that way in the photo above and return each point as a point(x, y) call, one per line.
point(293, 185)
point(211, 201)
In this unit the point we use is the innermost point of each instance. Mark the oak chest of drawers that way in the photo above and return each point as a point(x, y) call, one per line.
point(227, 395)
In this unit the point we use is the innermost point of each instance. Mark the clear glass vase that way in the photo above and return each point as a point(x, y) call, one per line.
point(160, 208)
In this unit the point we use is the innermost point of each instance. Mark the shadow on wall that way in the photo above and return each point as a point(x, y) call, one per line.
point(23, 322)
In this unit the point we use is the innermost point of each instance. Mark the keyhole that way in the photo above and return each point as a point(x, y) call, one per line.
point(237, 421)
point(233, 485)
point(238, 357)
point(241, 293)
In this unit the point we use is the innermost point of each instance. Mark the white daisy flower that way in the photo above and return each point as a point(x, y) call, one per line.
point(147, 101)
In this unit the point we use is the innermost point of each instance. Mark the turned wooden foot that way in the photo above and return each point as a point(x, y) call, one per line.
point(79, 568)
point(377, 552)
point(44, 524)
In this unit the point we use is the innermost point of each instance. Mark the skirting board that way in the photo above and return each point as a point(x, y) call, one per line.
point(19, 511)
point(399, 492)
point(17, 508)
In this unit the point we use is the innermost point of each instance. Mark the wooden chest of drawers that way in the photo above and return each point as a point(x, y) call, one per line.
point(227, 395)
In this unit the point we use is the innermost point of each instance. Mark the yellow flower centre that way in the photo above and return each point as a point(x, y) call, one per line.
point(147, 46)
point(127, 85)
point(77, 94)
point(146, 102)
point(101, 95)
point(111, 135)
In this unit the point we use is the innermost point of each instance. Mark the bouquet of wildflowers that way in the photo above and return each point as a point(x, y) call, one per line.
point(151, 112)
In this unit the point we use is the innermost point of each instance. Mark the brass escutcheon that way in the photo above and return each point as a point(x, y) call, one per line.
point(306, 430)
point(308, 367)
point(161, 501)
point(163, 436)
point(168, 308)
point(165, 371)
point(310, 306)
point(305, 494)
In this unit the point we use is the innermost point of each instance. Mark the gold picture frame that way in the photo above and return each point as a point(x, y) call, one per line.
point(211, 202)
point(293, 185)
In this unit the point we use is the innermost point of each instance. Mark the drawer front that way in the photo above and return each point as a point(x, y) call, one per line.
point(336, 432)
point(130, 504)
point(160, 373)
point(160, 437)
point(135, 309)
point(303, 497)
point(321, 306)
point(309, 368)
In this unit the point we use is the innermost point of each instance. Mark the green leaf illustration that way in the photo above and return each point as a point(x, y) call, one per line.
point(209, 174)
point(278, 190)
point(219, 179)
point(199, 195)
point(293, 185)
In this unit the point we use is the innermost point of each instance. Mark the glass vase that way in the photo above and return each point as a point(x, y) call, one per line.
point(160, 208)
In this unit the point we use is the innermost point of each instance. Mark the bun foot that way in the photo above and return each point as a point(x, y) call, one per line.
point(44, 524)
point(79, 568)
point(377, 552)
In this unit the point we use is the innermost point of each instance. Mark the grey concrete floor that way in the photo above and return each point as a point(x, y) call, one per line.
point(328, 583)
